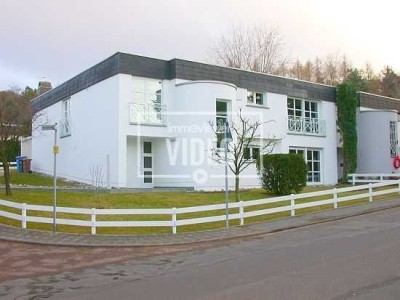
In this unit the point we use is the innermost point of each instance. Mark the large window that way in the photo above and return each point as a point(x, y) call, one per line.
point(147, 107)
point(313, 160)
point(303, 117)
point(393, 138)
point(147, 91)
point(221, 108)
point(257, 98)
point(302, 108)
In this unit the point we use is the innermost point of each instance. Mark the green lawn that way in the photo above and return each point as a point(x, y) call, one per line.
point(90, 199)
point(34, 179)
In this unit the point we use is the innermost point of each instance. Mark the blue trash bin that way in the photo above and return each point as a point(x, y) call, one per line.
point(18, 160)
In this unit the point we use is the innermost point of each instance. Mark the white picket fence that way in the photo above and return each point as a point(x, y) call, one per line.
point(335, 196)
point(376, 177)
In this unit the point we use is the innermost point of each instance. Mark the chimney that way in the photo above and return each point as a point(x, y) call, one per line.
point(43, 87)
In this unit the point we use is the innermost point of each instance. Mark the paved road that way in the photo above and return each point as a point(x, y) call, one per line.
point(355, 258)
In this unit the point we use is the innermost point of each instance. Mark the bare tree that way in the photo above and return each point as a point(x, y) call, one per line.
point(244, 133)
point(259, 49)
point(96, 171)
point(331, 69)
point(318, 71)
point(296, 70)
point(15, 122)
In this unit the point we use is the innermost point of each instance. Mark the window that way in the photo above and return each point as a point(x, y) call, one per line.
point(66, 108)
point(313, 160)
point(221, 108)
point(393, 138)
point(302, 108)
point(147, 163)
point(303, 117)
point(65, 122)
point(252, 152)
point(147, 91)
point(147, 106)
point(257, 98)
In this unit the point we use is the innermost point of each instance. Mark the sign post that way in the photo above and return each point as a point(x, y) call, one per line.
point(55, 152)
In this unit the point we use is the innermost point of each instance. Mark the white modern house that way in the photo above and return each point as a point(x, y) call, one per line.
point(141, 123)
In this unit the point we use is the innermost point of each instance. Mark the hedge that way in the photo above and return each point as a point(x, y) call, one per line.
point(283, 174)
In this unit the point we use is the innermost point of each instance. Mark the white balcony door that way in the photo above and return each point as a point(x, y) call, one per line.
point(147, 162)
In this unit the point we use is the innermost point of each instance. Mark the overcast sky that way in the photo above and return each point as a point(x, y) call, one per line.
point(57, 39)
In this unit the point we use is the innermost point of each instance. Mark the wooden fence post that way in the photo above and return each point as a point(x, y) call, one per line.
point(292, 206)
point(23, 216)
point(241, 213)
point(370, 192)
point(174, 220)
point(335, 198)
point(93, 221)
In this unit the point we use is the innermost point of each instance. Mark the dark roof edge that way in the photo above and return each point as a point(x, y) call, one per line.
point(142, 66)
point(40, 102)
point(378, 102)
point(255, 72)
point(378, 96)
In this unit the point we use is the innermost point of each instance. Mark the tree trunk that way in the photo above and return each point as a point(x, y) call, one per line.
point(237, 196)
point(7, 177)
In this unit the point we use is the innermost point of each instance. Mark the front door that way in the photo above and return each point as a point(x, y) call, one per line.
point(147, 160)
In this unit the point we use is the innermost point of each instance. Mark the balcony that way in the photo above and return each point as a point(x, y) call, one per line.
point(65, 127)
point(307, 126)
point(147, 113)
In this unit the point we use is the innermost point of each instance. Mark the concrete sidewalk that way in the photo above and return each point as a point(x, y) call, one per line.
point(252, 230)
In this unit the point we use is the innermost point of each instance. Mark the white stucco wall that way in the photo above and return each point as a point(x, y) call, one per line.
point(374, 141)
point(94, 135)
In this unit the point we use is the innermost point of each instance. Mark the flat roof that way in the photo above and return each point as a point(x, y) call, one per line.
point(141, 66)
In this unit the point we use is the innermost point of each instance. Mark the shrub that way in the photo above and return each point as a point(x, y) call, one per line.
point(283, 174)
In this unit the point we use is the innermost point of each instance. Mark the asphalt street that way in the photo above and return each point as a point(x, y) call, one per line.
point(354, 258)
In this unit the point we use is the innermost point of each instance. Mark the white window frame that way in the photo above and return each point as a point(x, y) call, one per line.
point(147, 107)
point(393, 138)
point(226, 117)
point(146, 94)
point(65, 122)
point(152, 163)
point(303, 110)
point(312, 161)
point(66, 108)
point(251, 154)
point(253, 95)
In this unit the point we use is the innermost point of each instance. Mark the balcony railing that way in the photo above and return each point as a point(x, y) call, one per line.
point(147, 113)
point(302, 125)
point(65, 127)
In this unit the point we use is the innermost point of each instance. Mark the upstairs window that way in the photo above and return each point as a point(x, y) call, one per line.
point(257, 98)
point(146, 107)
point(147, 91)
point(66, 109)
point(221, 108)
point(393, 138)
point(65, 122)
point(303, 117)
point(299, 108)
